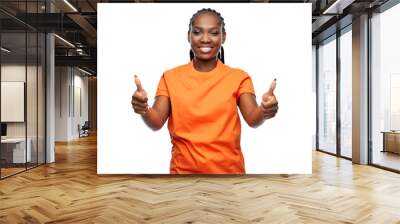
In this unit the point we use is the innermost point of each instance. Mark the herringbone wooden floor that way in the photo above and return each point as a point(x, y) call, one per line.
point(70, 191)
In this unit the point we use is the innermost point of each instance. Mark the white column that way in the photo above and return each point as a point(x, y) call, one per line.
point(360, 90)
point(50, 92)
point(50, 110)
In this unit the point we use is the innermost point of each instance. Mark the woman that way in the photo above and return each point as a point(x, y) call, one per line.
point(200, 101)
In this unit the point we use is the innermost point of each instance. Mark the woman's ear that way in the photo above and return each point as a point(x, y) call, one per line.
point(188, 37)
point(223, 37)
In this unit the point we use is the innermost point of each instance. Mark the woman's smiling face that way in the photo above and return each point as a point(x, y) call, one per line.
point(206, 36)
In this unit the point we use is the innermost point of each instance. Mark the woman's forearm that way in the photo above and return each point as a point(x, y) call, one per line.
point(153, 119)
point(256, 117)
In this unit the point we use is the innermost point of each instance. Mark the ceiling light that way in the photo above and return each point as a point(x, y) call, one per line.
point(5, 50)
point(84, 71)
point(79, 51)
point(64, 40)
point(70, 5)
point(338, 6)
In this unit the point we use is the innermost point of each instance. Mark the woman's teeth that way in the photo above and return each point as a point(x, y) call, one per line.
point(205, 49)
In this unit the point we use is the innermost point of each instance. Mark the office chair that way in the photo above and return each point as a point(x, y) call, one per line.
point(84, 130)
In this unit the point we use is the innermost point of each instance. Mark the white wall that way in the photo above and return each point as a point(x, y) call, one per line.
point(16, 73)
point(71, 94)
point(81, 103)
point(62, 80)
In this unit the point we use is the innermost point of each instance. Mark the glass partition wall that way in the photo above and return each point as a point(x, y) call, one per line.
point(334, 75)
point(22, 79)
point(13, 91)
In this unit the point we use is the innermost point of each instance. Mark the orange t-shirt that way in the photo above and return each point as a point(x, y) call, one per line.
point(204, 123)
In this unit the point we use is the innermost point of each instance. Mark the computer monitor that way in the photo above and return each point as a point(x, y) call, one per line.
point(3, 129)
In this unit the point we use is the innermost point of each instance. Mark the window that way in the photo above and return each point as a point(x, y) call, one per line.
point(346, 93)
point(385, 88)
point(327, 96)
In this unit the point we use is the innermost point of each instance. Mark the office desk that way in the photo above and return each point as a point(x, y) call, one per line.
point(13, 150)
point(391, 141)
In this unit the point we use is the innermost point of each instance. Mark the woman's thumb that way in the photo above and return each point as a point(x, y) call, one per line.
point(138, 83)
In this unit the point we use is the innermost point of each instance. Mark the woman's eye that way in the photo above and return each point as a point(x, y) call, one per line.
point(215, 33)
point(196, 32)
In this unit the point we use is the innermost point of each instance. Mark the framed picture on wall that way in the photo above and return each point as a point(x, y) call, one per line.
point(12, 101)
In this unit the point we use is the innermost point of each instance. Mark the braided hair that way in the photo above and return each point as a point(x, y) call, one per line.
point(222, 24)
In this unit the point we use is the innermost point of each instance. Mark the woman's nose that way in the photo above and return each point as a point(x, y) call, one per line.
point(205, 38)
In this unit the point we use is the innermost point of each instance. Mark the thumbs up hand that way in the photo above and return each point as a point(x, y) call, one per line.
point(269, 103)
point(139, 98)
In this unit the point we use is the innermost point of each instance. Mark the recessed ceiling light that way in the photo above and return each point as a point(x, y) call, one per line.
point(64, 40)
point(5, 50)
point(70, 5)
point(84, 71)
point(337, 7)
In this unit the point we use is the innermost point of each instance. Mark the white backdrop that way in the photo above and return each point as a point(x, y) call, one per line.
point(266, 40)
